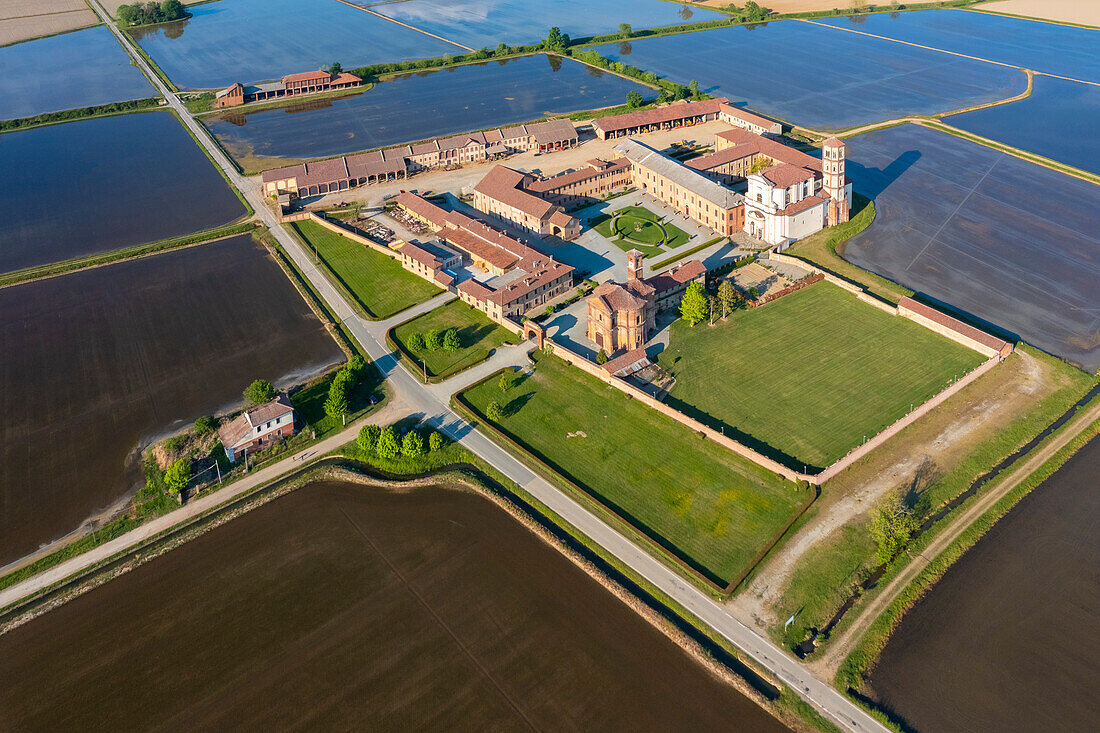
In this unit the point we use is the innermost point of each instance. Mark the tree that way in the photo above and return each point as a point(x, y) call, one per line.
point(502, 49)
point(450, 340)
point(431, 340)
point(693, 87)
point(625, 31)
point(415, 342)
point(204, 425)
point(754, 13)
point(634, 99)
point(727, 296)
point(387, 445)
point(413, 444)
point(368, 437)
point(336, 404)
point(178, 475)
point(601, 358)
point(494, 411)
point(259, 392)
point(435, 441)
point(336, 68)
point(507, 380)
point(712, 308)
point(556, 40)
point(693, 306)
point(892, 524)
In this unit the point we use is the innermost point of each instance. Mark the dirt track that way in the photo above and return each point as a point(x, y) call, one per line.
point(830, 661)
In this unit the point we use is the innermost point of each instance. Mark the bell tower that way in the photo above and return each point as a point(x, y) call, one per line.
point(832, 169)
point(634, 265)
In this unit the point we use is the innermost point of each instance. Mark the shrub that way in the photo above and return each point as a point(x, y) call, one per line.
point(601, 358)
point(368, 437)
point(431, 340)
point(413, 444)
point(204, 425)
point(178, 475)
point(435, 441)
point(494, 411)
point(450, 340)
point(387, 445)
point(507, 380)
point(415, 342)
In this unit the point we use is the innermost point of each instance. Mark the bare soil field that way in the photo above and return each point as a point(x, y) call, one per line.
point(1085, 12)
point(21, 20)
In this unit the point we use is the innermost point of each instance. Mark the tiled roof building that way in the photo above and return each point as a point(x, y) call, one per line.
point(658, 118)
point(502, 193)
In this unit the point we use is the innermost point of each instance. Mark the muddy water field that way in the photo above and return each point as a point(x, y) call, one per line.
point(96, 361)
point(1005, 641)
point(340, 606)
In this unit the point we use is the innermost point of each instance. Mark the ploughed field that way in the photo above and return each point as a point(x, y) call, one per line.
point(377, 282)
point(340, 606)
point(97, 361)
point(1006, 241)
point(703, 503)
point(868, 79)
point(477, 335)
point(78, 69)
point(420, 106)
point(256, 40)
point(1052, 122)
point(1046, 47)
point(489, 22)
point(1004, 640)
point(805, 378)
point(93, 186)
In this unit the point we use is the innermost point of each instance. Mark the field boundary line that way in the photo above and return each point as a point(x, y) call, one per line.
point(943, 50)
point(410, 27)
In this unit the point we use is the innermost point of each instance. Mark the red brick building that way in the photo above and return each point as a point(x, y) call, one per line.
point(257, 428)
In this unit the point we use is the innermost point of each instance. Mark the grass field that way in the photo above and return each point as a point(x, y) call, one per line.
point(379, 284)
point(806, 377)
point(637, 227)
point(706, 505)
point(477, 334)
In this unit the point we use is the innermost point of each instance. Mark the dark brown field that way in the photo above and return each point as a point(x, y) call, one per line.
point(96, 361)
point(1007, 641)
point(342, 607)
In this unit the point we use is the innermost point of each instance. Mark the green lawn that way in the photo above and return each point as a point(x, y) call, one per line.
point(622, 227)
point(380, 285)
point(705, 504)
point(477, 334)
point(806, 377)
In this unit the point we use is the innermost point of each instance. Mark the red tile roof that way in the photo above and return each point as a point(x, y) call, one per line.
point(936, 316)
point(799, 206)
point(773, 149)
point(595, 168)
point(677, 276)
point(627, 363)
point(307, 76)
point(785, 174)
point(744, 114)
point(658, 115)
point(345, 78)
point(504, 184)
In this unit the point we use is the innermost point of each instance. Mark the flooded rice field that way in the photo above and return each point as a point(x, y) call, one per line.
point(869, 79)
point(1046, 47)
point(97, 361)
point(78, 69)
point(1005, 641)
point(255, 40)
point(1006, 241)
point(1056, 121)
point(93, 186)
point(341, 606)
point(424, 105)
point(478, 23)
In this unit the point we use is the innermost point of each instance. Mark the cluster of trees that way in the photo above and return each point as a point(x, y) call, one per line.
point(697, 305)
point(557, 41)
point(751, 13)
point(151, 12)
point(433, 340)
point(338, 401)
point(388, 442)
point(503, 50)
point(893, 523)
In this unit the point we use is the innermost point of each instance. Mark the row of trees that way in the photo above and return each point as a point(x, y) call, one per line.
point(338, 402)
point(433, 340)
point(696, 305)
point(751, 13)
point(151, 12)
point(388, 443)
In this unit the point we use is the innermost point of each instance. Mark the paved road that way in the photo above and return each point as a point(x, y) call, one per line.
point(429, 404)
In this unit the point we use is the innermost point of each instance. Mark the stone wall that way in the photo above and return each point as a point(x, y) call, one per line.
point(353, 236)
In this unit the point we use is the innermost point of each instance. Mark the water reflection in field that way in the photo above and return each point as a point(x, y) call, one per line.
point(93, 186)
point(342, 607)
point(95, 361)
point(419, 106)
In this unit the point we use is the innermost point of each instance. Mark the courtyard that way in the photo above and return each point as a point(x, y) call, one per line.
point(705, 505)
point(810, 376)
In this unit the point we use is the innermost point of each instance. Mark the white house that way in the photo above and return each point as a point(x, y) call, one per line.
point(257, 428)
point(781, 206)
